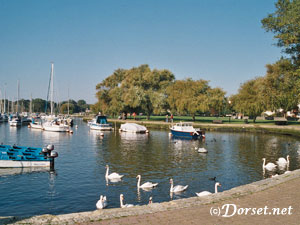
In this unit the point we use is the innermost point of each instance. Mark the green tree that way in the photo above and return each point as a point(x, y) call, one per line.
point(138, 89)
point(281, 86)
point(188, 97)
point(285, 24)
point(249, 99)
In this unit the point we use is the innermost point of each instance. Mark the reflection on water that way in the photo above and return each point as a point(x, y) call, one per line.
point(16, 171)
point(233, 158)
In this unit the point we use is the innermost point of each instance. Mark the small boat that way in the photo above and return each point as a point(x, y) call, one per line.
point(133, 128)
point(185, 130)
point(21, 156)
point(55, 126)
point(100, 123)
point(15, 121)
point(36, 124)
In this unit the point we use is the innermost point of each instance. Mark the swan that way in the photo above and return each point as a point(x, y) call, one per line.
point(150, 200)
point(269, 166)
point(121, 202)
point(102, 203)
point(282, 162)
point(177, 188)
point(204, 193)
point(112, 176)
point(145, 185)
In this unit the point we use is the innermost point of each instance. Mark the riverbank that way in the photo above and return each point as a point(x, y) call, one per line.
point(293, 130)
point(275, 201)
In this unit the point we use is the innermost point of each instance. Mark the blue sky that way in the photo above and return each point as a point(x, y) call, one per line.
point(217, 40)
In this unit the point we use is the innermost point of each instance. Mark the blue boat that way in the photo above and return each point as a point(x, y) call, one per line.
point(185, 130)
point(100, 123)
point(21, 156)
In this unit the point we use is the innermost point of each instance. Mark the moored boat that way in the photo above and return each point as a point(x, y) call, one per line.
point(185, 130)
point(133, 128)
point(21, 156)
point(100, 123)
point(15, 121)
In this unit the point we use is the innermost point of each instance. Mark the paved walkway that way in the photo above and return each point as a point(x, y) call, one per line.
point(284, 196)
point(280, 194)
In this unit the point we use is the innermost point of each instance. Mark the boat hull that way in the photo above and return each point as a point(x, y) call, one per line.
point(185, 134)
point(103, 127)
point(36, 126)
point(20, 164)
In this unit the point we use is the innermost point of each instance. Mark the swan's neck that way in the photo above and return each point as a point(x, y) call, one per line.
point(171, 189)
point(107, 169)
point(264, 163)
point(216, 188)
point(121, 203)
point(139, 182)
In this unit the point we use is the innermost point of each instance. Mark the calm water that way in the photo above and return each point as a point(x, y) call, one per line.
point(234, 158)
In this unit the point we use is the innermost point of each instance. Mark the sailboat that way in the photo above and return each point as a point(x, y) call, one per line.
point(15, 120)
point(53, 123)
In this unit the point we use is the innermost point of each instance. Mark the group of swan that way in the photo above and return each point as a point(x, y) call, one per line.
point(102, 202)
point(281, 163)
point(115, 177)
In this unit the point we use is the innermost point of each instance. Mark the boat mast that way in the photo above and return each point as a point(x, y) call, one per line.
point(51, 89)
point(30, 107)
point(5, 98)
point(68, 103)
point(18, 90)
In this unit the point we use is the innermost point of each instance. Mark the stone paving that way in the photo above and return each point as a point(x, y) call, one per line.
point(279, 195)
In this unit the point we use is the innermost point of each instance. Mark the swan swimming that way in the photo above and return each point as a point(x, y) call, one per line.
point(204, 193)
point(146, 185)
point(177, 188)
point(112, 176)
point(269, 166)
point(102, 202)
point(122, 204)
point(282, 162)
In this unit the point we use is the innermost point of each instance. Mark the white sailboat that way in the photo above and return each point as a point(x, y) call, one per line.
point(16, 120)
point(53, 124)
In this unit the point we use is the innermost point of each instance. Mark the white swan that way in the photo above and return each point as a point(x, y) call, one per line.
point(282, 162)
point(269, 166)
point(122, 204)
point(112, 176)
point(204, 193)
point(177, 188)
point(146, 185)
point(102, 202)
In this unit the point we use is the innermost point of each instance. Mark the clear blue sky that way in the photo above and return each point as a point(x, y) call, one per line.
point(217, 40)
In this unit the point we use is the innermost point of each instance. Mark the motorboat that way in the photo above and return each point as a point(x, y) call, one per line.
point(21, 156)
point(36, 123)
point(185, 130)
point(133, 128)
point(15, 120)
point(55, 126)
point(100, 123)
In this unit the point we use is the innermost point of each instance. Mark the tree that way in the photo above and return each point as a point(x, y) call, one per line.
point(217, 100)
point(285, 24)
point(188, 96)
point(249, 99)
point(138, 89)
point(281, 83)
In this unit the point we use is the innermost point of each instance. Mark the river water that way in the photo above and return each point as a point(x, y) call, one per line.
point(79, 179)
